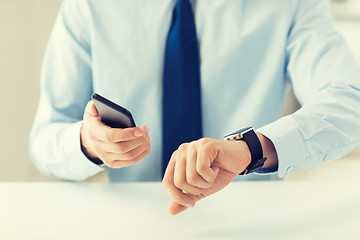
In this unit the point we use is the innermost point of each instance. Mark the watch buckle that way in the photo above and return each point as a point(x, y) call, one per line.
point(237, 135)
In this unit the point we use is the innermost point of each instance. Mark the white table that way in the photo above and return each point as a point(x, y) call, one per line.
point(250, 210)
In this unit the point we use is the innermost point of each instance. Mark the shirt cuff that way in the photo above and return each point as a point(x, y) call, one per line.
point(79, 162)
point(266, 171)
point(288, 143)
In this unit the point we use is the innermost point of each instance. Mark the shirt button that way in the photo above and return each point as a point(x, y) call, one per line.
point(290, 170)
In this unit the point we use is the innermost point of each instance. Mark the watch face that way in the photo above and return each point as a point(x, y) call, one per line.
point(238, 134)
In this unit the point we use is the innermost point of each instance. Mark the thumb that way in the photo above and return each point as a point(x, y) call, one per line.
point(215, 170)
point(91, 109)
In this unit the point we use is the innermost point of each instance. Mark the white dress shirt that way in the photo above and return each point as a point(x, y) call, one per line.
point(251, 52)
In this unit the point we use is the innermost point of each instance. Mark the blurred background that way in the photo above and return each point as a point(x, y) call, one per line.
point(25, 27)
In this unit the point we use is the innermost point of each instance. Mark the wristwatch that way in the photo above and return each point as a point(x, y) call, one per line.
point(249, 136)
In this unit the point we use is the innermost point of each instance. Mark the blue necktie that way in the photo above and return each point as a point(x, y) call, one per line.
point(181, 83)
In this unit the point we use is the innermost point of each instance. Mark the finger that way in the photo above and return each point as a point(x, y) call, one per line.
point(129, 155)
point(180, 178)
point(192, 176)
point(126, 163)
point(168, 182)
point(203, 165)
point(108, 134)
point(139, 133)
point(100, 149)
point(175, 208)
point(127, 146)
point(147, 129)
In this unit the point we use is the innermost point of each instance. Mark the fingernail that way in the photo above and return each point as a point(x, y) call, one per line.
point(93, 110)
point(137, 133)
point(189, 205)
point(147, 128)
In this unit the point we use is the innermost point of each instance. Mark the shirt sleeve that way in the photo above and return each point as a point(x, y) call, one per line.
point(326, 81)
point(66, 84)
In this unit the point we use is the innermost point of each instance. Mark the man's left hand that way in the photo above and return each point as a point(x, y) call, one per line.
point(201, 168)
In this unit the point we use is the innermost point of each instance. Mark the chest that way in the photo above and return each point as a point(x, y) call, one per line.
point(235, 38)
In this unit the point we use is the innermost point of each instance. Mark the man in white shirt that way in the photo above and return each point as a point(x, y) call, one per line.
point(250, 52)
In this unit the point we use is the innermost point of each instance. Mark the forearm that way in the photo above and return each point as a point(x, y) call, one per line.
point(56, 151)
point(325, 128)
point(325, 79)
point(66, 87)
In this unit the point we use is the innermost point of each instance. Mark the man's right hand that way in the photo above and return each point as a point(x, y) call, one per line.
point(116, 147)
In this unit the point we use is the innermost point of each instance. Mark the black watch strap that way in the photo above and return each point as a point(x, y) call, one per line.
point(249, 136)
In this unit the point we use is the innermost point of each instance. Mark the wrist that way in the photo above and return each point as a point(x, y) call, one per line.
point(91, 155)
point(246, 153)
point(251, 139)
point(239, 156)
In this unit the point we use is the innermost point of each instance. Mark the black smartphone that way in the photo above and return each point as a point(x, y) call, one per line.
point(112, 114)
